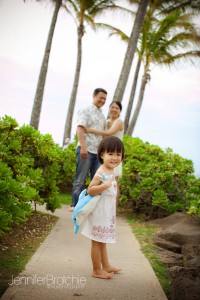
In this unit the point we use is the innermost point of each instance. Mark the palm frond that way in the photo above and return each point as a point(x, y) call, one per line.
point(112, 31)
point(182, 59)
point(184, 5)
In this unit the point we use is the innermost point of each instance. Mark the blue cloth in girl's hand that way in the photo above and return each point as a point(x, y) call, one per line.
point(82, 201)
point(84, 207)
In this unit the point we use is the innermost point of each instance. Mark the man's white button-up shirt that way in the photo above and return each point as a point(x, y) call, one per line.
point(92, 117)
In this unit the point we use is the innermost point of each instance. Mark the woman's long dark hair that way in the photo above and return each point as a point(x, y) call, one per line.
point(118, 104)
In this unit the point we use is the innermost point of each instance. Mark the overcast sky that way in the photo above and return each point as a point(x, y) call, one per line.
point(170, 115)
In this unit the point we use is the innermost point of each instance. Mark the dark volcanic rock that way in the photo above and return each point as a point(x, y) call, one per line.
point(180, 233)
point(168, 245)
point(184, 289)
point(169, 258)
point(177, 271)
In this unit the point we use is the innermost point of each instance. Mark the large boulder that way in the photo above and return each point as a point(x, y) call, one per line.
point(179, 228)
point(190, 251)
point(178, 271)
point(184, 289)
point(168, 245)
point(178, 239)
point(169, 258)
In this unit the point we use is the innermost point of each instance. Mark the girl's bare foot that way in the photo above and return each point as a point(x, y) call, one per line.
point(102, 274)
point(111, 269)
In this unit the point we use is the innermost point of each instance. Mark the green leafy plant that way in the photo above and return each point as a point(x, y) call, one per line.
point(30, 165)
point(157, 182)
point(33, 169)
point(68, 167)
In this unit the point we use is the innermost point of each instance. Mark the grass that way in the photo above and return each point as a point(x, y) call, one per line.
point(65, 199)
point(144, 233)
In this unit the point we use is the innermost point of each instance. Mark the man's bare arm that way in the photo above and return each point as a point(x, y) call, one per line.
point(80, 134)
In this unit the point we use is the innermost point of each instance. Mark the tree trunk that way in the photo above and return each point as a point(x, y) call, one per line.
point(119, 92)
point(37, 105)
point(132, 95)
point(70, 112)
point(138, 106)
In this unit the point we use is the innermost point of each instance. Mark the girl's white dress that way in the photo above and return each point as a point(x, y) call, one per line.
point(100, 224)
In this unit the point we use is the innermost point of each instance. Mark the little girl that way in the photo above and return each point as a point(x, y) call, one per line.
point(100, 224)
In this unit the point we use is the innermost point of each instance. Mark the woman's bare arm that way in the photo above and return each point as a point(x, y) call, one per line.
point(80, 135)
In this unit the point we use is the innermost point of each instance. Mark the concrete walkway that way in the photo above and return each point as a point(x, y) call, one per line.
point(61, 268)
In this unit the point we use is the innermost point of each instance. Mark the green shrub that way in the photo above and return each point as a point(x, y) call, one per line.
point(33, 169)
point(14, 206)
point(68, 167)
point(157, 182)
point(30, 166)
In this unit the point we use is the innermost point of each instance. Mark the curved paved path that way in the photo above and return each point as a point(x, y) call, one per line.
point(61, 268)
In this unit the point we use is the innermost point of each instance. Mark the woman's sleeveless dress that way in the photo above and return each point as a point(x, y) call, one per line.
point(100, 224)
point(119, 134)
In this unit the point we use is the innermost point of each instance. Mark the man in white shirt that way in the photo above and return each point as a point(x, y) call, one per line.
point(86, 152)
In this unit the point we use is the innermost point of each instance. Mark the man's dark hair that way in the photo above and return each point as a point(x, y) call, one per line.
point(99, 90)
point(110, 144)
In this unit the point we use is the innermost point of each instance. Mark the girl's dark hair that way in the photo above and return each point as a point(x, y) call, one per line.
point(110, 144)
point(118, 103)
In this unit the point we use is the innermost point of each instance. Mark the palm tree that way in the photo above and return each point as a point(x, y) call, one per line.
point(125, 38)
point(155, 7)
point(132, 95)
point(82, 11)
point(37, 105)
point(149, 19)
point(164, 46)
point(119, 92)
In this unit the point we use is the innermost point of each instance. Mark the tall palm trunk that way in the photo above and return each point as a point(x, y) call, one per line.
point(119, 92)
point(139, 104)
point(37, 105)
point(70, 112)
point(132, 95)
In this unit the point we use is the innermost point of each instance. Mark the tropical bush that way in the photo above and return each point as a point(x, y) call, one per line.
point(68, 167)
point(157, 182)
point(33, 169)
point(30, 166)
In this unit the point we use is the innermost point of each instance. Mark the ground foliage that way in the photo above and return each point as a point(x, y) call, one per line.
point(34, 169)
point(158, 182)
point(30, 166)
point(68, 167)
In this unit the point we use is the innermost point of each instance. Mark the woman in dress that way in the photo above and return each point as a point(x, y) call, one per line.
point(114, 127)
